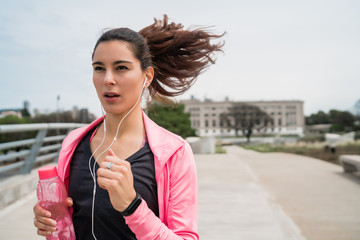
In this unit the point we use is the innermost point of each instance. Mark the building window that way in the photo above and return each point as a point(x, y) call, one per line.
point(279, 121)
point(214, 123)
point(206, 123)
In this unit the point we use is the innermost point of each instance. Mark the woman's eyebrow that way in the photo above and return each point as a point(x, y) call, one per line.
point(121, 61)
point(97, 63)
point(116, 62)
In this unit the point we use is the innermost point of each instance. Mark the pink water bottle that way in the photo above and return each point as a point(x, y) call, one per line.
point(52, 196)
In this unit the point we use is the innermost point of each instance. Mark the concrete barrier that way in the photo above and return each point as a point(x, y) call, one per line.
point(17, 187)
point(350, 163)
point(204, 145)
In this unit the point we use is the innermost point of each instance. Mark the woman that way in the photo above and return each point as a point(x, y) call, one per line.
point(127, 177)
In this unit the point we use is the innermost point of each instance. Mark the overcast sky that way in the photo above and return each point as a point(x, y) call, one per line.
point(305, 50)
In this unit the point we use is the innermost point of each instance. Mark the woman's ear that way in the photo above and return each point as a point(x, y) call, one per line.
point(149, 74)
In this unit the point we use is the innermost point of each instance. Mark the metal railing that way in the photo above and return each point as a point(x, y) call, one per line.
point(19, 157)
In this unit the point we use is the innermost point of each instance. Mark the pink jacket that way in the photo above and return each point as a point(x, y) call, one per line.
point(175, 174)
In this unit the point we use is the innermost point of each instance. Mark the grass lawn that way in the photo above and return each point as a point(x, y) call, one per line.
point(310, 149)
point(219, 149)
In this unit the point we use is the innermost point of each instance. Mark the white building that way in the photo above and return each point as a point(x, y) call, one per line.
point(11, 111)
point(287, 116)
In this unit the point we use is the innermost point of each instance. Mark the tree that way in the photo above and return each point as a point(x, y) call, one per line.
point(172, 117)
point(81, 116)
point(246, 118)
point(11, 119)
point(9, 137)
point(341, 121)
point(318, 118)
point(25, 113)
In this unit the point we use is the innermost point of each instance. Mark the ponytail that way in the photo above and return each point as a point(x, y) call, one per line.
point(178, 56)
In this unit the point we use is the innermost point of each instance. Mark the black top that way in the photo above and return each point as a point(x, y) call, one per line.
point(108, 223)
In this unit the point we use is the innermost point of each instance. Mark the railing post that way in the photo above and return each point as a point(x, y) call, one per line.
point(34, 151)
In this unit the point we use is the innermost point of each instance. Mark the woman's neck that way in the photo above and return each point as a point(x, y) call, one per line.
point(131, 124)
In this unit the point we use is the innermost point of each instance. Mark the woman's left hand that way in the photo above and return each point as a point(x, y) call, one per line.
point(118, 181)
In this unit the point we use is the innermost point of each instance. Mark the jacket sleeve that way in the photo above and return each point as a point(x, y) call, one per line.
point(181, 215)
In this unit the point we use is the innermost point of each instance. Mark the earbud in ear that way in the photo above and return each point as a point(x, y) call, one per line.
point(144, 85)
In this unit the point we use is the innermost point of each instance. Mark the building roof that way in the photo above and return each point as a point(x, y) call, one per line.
point(10, 110)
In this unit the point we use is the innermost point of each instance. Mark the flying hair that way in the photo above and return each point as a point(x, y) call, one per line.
point(178, 55)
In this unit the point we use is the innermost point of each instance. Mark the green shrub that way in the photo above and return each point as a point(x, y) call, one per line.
point(315, 137)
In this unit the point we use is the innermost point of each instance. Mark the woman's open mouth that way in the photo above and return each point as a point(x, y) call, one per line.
point(111, 96)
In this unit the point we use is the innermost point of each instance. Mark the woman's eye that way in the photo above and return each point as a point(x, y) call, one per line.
point(97, 68)
point(121, 68)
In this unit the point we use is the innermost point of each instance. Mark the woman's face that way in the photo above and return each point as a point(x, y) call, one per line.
point(117, 76)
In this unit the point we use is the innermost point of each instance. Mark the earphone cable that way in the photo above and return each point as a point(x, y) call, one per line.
point(92, 171)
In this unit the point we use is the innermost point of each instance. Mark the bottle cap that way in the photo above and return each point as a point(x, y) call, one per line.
point(47, 172)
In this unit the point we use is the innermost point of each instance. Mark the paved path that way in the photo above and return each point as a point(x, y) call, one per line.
point(320, 198)
point(16, 221)
point(234, 205)
point(252, 196)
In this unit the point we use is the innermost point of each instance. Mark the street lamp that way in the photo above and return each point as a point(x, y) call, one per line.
point(57, 109)
point(57, 113)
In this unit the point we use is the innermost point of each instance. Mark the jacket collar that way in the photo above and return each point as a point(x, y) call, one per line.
point(162, 142)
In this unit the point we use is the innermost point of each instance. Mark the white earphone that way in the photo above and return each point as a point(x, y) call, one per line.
point(144, 85)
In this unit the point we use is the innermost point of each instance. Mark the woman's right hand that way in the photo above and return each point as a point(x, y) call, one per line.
point(43, 221)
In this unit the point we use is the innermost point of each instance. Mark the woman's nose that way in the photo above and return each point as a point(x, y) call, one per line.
point(109, 79)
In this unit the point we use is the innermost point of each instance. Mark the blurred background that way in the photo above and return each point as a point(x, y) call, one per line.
point(288, 81)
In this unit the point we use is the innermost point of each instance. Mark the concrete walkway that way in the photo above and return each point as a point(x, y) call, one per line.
point(252, 196)
point(322, 200)
point(16, 221)
point(233, 205)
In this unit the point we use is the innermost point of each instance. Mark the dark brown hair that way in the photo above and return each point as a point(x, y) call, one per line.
point(178, 56)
